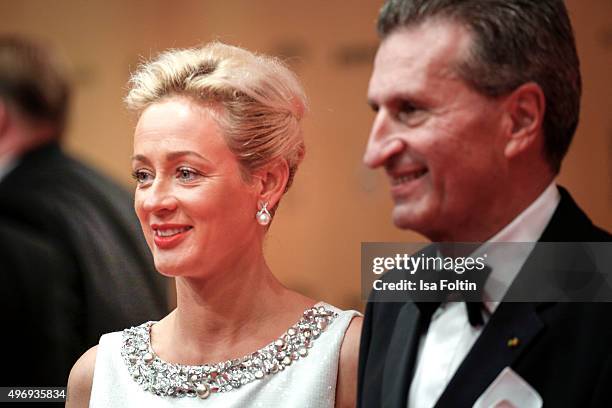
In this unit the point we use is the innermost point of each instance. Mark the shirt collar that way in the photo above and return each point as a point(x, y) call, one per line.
point(506, 262)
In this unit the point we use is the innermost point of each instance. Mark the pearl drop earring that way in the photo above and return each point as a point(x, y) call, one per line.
point(263, 216)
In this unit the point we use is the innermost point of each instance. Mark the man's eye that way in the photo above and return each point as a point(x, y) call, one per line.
point(405, 109)
point(142, 177)
point(409, 114)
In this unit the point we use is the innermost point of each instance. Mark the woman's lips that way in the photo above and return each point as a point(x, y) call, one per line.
point(166, 237)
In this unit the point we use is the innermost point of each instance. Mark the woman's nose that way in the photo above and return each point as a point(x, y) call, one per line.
point(159, 198)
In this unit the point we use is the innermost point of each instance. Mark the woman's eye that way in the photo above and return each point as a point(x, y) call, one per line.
point(186, 174)
point(142, 177)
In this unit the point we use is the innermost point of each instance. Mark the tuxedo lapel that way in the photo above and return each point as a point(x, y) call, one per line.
point(494, 350)
point(399, 363)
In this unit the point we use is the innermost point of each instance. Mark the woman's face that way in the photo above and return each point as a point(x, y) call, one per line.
point(196, 212)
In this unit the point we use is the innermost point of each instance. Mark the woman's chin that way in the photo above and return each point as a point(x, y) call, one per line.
point(170, 270)
point(169, 274)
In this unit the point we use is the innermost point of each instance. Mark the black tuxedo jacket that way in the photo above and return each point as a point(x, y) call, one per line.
point(565, 349)
point(91, 224)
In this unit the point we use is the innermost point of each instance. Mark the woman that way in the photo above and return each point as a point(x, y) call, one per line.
point(217, 144)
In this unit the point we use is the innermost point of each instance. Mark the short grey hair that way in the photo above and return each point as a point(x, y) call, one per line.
point(514, 42)
point(262, 99)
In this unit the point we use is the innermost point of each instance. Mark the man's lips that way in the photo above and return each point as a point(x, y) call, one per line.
point(404, 177)
point(169, 235)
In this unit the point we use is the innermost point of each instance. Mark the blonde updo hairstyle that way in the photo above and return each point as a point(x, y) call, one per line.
point(262, 101)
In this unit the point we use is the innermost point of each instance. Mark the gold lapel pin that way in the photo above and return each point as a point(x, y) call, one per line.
point(513, 342)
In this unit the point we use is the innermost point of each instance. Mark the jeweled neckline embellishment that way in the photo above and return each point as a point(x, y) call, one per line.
point(178, 380)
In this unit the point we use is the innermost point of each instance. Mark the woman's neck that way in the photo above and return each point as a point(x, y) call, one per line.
point(227, 314)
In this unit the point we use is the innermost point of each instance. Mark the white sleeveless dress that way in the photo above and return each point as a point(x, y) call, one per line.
point(299, 369)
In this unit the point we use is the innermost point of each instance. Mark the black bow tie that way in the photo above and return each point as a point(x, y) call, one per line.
point(473, 301)
point(474, 311)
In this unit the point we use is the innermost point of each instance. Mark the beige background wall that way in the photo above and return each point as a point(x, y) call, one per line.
point(335, 203)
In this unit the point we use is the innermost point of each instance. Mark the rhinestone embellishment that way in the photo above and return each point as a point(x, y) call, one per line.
point(177, 380)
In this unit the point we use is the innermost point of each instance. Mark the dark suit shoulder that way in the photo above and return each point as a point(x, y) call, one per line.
point(570, 223)
point(56, 173)
point(54, 193)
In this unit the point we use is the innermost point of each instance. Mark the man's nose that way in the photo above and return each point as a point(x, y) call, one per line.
point(382, 144)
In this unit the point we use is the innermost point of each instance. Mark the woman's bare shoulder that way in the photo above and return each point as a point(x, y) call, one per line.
point(81, 380)
point(350, 345)
point(346, 388)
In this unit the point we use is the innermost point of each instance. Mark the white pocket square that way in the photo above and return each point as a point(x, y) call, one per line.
point(509, 390)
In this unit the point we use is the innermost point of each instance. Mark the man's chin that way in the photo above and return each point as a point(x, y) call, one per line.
point(403, 220)
point(408, 219)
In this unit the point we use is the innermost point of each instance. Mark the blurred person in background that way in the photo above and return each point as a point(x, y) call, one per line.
point(37, 335)
point(217, 144)
point(85, 224)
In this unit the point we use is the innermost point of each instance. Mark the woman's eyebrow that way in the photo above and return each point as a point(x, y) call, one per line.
point(141, 158)
point(175, 155)
point(171, 156)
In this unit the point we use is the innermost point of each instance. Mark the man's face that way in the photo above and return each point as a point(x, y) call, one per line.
point(438, 140)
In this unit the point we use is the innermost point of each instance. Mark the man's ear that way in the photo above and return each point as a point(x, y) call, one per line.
point(525, 108)
point(272, 180)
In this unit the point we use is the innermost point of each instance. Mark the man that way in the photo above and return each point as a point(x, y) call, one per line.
point(74, 215)
point(476, 103)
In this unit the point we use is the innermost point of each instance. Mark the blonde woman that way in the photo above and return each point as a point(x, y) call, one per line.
point(217, 144)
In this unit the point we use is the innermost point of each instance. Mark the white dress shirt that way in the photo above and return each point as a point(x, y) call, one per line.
point(450, 336)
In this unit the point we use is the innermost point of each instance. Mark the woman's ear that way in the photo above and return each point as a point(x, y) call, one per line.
point(272, 180)
point(525, 108)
